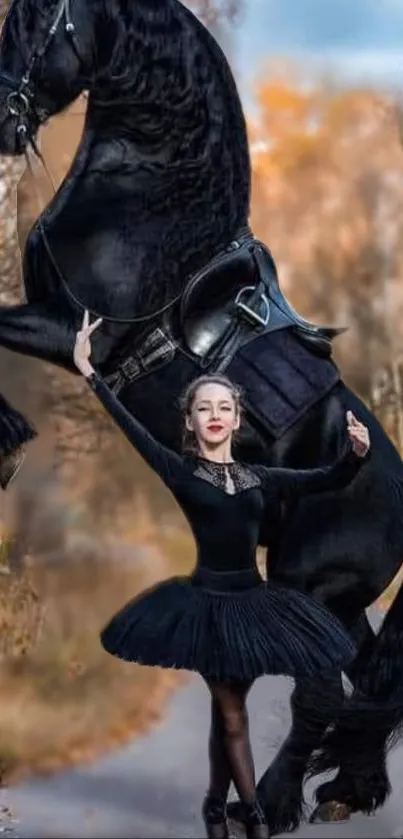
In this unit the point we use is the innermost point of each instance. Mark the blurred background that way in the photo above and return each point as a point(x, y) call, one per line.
point(86, 524)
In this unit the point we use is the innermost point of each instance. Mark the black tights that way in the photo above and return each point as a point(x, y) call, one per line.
point(229, 745)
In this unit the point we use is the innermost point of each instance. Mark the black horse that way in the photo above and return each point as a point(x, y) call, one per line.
point(150, 230)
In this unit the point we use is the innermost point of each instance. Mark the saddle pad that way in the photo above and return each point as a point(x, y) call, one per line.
point(281, 379)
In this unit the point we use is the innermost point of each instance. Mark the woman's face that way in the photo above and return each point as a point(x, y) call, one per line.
point(214, 415)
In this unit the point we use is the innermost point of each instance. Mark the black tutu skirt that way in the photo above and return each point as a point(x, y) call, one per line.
point(228, 627)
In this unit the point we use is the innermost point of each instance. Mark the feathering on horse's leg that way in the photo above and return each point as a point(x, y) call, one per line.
point(35, 330)
point(15, 432)
point(370, 723)
point(314, 704)
point(334, 798)
point(362, 782)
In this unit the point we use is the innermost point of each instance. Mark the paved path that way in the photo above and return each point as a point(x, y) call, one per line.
point(152, 788)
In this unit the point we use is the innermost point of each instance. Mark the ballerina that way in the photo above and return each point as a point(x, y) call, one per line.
point(224, 621)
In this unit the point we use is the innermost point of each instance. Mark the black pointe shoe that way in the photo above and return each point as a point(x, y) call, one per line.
point(256, 822)
point(236, 812)
point(215, 818)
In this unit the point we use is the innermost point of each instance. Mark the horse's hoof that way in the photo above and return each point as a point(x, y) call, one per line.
point(9, 466)
point(330, 811)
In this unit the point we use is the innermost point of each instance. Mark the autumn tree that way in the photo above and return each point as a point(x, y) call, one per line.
point(328, 200)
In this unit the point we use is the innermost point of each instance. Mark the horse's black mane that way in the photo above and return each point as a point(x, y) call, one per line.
point(23, 19)
point(139, 34)
point(131, 22)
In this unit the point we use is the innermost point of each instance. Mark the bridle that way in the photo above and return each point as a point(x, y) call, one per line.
point(21, 101)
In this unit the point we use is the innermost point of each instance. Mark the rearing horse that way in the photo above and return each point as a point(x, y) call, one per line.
point(150, 230)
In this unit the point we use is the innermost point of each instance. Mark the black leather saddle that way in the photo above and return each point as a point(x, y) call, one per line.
point(232, 300)
point(237, 297)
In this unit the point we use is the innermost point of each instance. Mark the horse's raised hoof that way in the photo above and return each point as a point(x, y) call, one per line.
point(330, 811)
point(10, 465)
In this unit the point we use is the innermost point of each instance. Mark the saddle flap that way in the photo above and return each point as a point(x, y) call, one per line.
point(281, 379)
point(207, 306)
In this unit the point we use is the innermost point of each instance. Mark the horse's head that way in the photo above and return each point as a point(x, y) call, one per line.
point(46, 57)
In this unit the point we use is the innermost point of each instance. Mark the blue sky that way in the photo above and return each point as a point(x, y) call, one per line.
point(362, 40)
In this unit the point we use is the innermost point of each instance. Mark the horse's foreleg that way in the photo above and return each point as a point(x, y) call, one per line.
point(40, 331)
point(15, 432)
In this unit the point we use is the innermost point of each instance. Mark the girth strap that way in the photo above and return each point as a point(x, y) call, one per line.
point(156, 350)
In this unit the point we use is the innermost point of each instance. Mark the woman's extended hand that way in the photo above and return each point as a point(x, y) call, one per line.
point(82, 348)
point(359, 434)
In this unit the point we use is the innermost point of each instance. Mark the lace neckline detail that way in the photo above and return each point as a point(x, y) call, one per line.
point(229, 476)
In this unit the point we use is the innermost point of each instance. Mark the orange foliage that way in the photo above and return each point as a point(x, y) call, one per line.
point(328, 199)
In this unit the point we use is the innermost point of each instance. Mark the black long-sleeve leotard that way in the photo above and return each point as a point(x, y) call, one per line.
point(225, 525)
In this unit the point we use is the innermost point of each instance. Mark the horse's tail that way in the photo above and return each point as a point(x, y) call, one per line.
point(371, 720)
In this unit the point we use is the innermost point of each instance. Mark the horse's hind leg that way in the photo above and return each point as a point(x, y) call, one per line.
point(314, 704)
point(38, 330)
point(357, 783)
point(357, 745)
